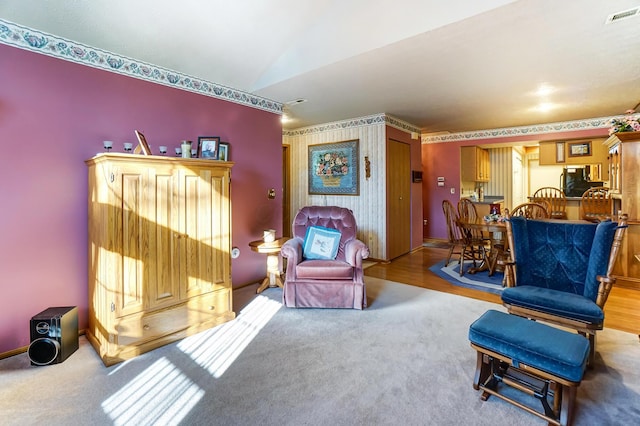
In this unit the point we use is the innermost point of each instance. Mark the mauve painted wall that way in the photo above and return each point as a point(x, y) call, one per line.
point(443, 160)
point(54, 115)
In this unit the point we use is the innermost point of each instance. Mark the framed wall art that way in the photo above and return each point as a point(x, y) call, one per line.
point(333, 168)
point(560, 157)
point(580, 149)
point(208, 147)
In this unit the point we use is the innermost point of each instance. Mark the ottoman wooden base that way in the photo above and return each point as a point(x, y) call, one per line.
point(493, 368)
point(542, 361)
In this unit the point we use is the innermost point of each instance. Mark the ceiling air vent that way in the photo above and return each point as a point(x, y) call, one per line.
point(296, 102)
point(623, 15)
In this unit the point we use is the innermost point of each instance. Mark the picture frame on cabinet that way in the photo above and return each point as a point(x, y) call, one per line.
point(223, 151)
point(580, 149)
point(208, 147)
point(142, 143)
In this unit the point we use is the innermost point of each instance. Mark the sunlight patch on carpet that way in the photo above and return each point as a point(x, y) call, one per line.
point(161, 394)
point(217, 348)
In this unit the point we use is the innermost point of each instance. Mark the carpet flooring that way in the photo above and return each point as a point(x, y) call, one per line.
point(404, 360)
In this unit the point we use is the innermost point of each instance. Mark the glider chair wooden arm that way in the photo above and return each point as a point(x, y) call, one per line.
point(316, 276)
point(562, 271)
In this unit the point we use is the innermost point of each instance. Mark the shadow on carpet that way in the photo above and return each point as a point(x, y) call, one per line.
point(478, 281)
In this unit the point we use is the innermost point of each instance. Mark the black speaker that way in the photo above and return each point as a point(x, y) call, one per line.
point(54, 335)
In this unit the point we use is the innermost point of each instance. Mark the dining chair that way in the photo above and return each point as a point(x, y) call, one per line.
point(476, 243)
point(454, 231)
point(467, 210)
point(531, 211)
point(596, 204)
point(556, 200)
point(460, 240)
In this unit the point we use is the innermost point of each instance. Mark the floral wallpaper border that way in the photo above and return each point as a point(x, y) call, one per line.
point(537, 129)
point(37, 41)
point(354, 122)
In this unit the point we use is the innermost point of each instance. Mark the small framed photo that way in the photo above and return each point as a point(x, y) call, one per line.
point(223, 151)
point(142, 143)
point(208, 147)
point(580, 149)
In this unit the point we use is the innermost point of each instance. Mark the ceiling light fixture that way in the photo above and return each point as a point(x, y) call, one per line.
point(545, 107)
point(544, 90)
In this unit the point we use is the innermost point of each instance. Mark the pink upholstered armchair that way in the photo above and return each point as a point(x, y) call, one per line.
point(325, 283)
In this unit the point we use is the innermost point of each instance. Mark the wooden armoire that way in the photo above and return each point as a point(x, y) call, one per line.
point(159, 251)
point(624, 162)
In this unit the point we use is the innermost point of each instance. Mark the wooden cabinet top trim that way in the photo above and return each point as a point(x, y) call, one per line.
point(622, 137)
point(150, 159)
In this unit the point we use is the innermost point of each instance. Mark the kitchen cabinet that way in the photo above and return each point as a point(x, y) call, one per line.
point(474, 164)
point(624, 163)
point(159, 251)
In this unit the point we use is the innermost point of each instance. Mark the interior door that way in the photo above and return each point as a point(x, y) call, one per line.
point(518, 195)
point(398, 199)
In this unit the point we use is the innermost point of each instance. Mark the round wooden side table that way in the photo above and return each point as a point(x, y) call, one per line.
point(272, 250)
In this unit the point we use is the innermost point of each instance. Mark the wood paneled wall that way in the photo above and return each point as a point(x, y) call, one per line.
point(369, 206)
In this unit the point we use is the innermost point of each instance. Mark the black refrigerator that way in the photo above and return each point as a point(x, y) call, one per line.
point(574, 183)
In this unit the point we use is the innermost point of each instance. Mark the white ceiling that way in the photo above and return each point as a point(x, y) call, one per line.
point(451, 66)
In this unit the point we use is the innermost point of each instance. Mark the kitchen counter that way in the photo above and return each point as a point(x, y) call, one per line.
point(488, 199)
point(491, 200)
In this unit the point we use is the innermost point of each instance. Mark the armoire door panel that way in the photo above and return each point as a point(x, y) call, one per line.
point(131, 233)
point(164, 279)
point(220, 231)
point(193, 215)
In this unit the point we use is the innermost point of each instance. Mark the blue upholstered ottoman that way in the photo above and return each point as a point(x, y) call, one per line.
point(538, 359)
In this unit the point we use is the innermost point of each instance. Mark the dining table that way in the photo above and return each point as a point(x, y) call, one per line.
point(498, 234)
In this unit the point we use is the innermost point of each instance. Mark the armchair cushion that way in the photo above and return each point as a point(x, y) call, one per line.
point(554, 302)
point(324, 270)
point(321, 243)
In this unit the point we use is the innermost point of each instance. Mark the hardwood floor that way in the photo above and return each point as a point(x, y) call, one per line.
point(622, 311)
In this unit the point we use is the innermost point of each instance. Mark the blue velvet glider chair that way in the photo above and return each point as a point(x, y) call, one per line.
point(562, 271)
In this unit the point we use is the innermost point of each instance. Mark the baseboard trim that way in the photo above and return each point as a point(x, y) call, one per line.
point(13, 352)
point(18, 351)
